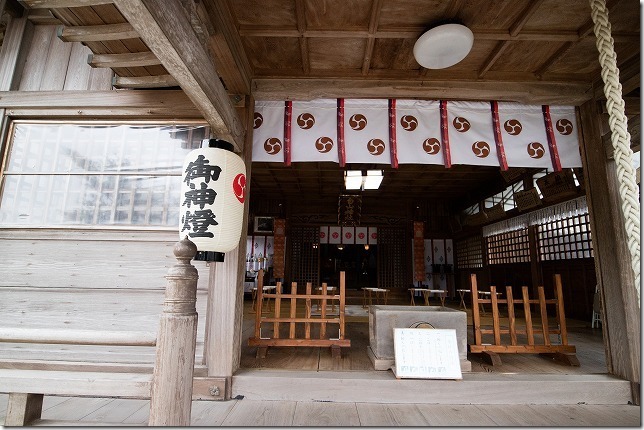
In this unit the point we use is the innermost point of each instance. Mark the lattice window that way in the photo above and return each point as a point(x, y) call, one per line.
point(469, 253)
point(393, 258)
point(95, 174)
point(509, 247)
point(565, 239)
point(305, 255)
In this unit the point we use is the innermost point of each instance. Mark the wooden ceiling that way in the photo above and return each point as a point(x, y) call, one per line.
point(531, 51)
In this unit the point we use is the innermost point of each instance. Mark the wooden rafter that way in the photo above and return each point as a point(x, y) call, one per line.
point(132, 59)
point(57, 4)
point(167, 30)
point(162, 81)
point(96, 33)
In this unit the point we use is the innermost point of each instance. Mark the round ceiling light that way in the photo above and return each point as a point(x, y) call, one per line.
point(443, 46)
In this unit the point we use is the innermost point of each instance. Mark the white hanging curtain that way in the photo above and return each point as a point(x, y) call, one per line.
point(392, 131)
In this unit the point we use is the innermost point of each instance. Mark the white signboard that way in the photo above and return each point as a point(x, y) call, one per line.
point(425, 353)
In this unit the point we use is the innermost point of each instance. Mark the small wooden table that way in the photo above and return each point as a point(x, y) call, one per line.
point(486, 295)
point(426, 293)
point(368, 291)
point(461, 293)
point(266, 288)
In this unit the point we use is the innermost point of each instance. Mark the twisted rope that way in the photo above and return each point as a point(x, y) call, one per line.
point(620, 136)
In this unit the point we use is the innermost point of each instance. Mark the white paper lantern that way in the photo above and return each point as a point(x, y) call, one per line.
point(212, 197)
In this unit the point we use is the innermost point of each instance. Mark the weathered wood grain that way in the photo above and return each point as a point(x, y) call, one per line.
point(319, 414)
point(249, 413)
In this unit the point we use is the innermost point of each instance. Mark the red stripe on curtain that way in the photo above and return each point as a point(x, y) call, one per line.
point(498, 139)
point(393, 145)
point(445, 134)
point(288, 113)
point(552, 142)
point(342, 156)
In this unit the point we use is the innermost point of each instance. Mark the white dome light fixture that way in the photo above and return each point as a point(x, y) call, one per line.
point(443, 46)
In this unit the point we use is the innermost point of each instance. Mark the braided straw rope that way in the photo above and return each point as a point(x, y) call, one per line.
point(620, 137)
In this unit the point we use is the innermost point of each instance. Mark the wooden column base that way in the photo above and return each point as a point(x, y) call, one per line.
point(23, 409)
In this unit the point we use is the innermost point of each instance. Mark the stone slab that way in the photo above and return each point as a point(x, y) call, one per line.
point(384, 318)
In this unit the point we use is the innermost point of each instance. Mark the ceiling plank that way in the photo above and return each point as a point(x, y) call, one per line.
point(166, 29)
point(554, 58)
point(575, 93)
point(96, 33)
point(494, 55)
point(123, 60)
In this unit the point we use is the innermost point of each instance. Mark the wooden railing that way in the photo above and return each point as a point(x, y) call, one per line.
point(510, 342)
point(309, 321)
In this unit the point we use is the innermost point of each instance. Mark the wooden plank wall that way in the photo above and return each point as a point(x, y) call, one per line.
point(86, 279)
point(54, 65)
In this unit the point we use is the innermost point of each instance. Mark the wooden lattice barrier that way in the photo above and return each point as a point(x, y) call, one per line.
point(506, 339)
point(308, 325)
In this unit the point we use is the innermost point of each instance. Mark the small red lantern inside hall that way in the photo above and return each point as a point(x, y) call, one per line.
point(212, 199)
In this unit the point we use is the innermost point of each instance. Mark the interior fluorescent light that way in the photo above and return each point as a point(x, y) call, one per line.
point(353, 179)
point(373, 179)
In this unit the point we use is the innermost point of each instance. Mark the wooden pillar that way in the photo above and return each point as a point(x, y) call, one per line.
point(171, 394)
point(222, 345)
point(621, 316)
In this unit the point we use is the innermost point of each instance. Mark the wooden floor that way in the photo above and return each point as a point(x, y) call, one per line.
point(247, 412)
point(589, 344)
point(101, 411)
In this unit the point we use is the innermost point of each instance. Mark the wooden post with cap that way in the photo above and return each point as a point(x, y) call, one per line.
point(171, 394)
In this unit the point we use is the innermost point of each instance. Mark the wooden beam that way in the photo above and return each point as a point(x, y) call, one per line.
point(523, 92)
point(494, 55)
point(161, 81)
point(97, 33)
point(376, 7)
point(56, 4)
point(232, 63)
point(165, 28)
point(553, 58)
point(621, 314)
point(123, 60)
point(526, 13)
point(453, 8)
point(300, 12)
point(88, 104)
